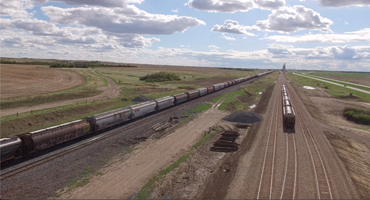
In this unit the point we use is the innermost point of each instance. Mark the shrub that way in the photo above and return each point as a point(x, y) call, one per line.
point(357, 115)
point(160, 77)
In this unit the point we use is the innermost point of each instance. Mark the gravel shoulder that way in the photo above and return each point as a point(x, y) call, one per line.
point(111, 91)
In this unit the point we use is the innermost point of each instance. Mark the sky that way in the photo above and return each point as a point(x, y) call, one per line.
point(304, 34)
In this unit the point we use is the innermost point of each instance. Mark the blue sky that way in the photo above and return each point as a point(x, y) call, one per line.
point(305, 34)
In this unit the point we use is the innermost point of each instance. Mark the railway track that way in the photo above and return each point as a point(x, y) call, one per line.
point(54, 155)
point(322, 182)
point(267, 174)
point(288, 190)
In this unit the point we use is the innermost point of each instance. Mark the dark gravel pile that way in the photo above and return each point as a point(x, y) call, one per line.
point(140, 99)
point(243, 117)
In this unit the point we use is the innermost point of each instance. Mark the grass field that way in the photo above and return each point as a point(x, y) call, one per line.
point(238, 100)
point(336, 91)
point(339, 82)
point(342, 74)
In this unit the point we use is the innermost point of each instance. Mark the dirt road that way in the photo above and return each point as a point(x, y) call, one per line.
point(112, 90)
point(291, 165)
point(122, 179)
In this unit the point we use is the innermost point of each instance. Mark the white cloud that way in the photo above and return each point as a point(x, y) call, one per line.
point(228, 38)
point(105, 3)
point(121, 20)
point(73, 35)
point(231, 6)
point(213, 48)
point(341, 3)
point(15, 9)
point(269, 4)
point(291, 19)
point(174, 11)
point(231, 26)
point(355, 36)
point(338, 52)
point(279, 50)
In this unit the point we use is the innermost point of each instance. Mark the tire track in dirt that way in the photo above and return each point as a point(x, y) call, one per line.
point(111, 91)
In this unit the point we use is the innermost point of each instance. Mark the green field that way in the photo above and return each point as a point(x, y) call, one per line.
point(343, 74)
point(336, 91)
point(233, 100)
point(339, 82)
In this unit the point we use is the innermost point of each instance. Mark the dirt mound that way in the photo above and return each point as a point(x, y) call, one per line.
point(140, 99)
point(243, 117)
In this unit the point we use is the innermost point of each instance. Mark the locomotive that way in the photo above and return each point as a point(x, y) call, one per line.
point(288, 111)
point(28, 143)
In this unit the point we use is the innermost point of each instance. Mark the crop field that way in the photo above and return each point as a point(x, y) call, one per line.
point(333, 90)
point(359, 78)
point(28, 85)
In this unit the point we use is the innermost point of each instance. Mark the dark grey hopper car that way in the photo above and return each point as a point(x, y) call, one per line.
point(288, 117)
point(192, 94)
point(164, 102)
point(216, 86)
point(141, 109)
point(226, 84)
point(9, 148)
point(48, 137)
point(221, 85)
point(202, 91)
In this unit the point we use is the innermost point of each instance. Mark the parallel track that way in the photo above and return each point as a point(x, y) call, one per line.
point(289, 186)
point(267, 173)
point(321, 178)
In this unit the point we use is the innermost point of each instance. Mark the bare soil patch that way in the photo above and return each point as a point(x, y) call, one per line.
point(25, 80)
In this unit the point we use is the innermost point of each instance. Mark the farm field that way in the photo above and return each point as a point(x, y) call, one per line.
point(27, 80)
point(29, 85)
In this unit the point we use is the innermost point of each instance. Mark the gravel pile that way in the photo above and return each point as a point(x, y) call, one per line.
point(140, 99)
point(243, 117)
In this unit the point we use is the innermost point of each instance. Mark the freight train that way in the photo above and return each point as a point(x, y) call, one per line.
point(28, 143)
point(288, 110)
